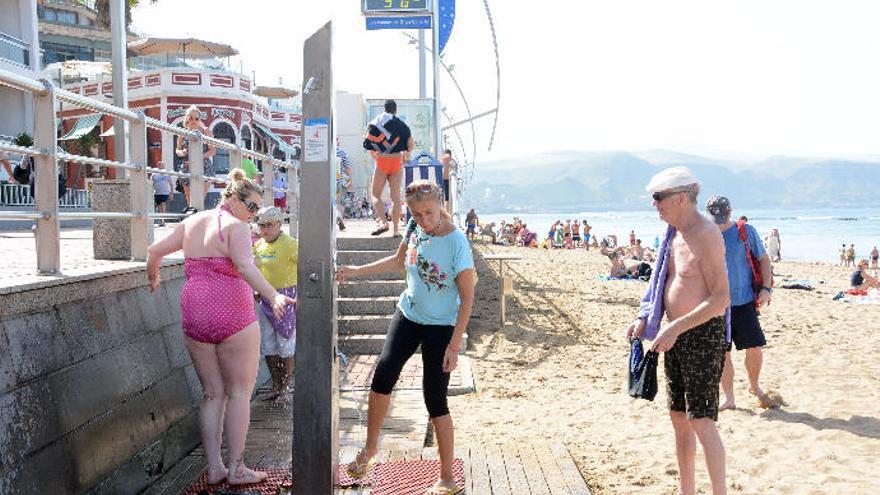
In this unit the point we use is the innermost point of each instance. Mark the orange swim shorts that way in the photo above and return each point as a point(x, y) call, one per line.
point(389, 164)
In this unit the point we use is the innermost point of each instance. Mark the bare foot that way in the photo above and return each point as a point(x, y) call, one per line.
point(216, 475)
point(727, 405)
point(242, 475)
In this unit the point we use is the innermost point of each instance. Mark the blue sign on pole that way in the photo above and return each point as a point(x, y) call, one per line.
point(447, 19)
point(416, 22)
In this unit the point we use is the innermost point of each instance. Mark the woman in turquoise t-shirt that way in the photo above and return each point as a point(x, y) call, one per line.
point(432, 312)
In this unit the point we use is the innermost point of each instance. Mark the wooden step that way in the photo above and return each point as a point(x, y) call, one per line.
point(385, 305)
point(360, 257)
point(363, 324)
point(381, 243)
point(371, 288)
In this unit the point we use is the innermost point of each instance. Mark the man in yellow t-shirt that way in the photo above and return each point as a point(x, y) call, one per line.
point(276, 255)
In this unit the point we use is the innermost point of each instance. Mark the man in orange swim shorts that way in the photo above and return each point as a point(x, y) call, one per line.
point(389, 142)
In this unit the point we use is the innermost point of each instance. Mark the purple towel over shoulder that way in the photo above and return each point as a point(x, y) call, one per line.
point(286, 326)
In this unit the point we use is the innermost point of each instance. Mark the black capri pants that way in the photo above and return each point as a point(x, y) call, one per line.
point(403, 339)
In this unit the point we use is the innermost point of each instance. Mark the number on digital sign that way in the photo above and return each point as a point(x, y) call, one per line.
point(404, 4)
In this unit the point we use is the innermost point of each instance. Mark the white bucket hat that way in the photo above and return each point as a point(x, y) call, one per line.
point(269, 214)
point(671, 178)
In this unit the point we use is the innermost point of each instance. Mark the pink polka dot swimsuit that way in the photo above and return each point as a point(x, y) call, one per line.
point(215, 301)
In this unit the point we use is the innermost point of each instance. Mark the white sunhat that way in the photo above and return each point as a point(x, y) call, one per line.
point(671, 178)
point(269, 214)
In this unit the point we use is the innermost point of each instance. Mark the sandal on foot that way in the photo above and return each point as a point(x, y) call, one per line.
point(380, 231)
point(359, 470)
point(438, 489)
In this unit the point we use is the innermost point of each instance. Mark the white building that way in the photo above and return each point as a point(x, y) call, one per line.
point(19, 53)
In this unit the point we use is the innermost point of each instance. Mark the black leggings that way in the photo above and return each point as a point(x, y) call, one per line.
point(404, 337)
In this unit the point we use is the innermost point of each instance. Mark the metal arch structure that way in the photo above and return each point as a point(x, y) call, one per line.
point(461, 94)
point(471, 117)
point(497, 72)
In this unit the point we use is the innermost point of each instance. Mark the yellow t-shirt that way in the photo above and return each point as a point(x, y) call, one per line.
point(277, 260)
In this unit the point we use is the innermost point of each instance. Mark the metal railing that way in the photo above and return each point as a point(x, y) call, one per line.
point(141, 213)
point(14, 50)
point(20, 195)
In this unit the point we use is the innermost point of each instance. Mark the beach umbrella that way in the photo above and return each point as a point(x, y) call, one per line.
point(192, 46)
point(276, 92)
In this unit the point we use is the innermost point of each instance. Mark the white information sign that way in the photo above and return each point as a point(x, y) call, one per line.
point(316, 138)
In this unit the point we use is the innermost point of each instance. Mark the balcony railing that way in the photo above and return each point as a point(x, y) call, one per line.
point(14, 50)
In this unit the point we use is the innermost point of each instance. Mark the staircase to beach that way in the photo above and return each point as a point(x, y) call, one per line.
point(366, 305)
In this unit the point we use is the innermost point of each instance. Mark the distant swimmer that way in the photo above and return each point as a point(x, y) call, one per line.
point(689, 284)
point(874, 257)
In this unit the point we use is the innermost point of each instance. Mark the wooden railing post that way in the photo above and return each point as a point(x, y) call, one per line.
point(197, 169)
point(48, 232)
point(139, 187)
point(268, 181)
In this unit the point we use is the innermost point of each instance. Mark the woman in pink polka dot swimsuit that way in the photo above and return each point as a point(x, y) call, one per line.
point(220, 324)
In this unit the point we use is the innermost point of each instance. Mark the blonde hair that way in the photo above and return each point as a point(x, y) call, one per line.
point(420, 190)
point(190, 111)
point(237, 184)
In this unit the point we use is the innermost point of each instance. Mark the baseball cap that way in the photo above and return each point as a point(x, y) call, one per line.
point(719, 208)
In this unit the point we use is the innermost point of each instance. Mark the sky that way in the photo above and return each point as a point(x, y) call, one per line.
point(746, 79)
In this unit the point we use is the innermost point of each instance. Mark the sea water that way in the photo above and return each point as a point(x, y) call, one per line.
point(806, 235)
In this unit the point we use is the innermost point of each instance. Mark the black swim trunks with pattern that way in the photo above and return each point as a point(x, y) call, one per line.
point(693, 369)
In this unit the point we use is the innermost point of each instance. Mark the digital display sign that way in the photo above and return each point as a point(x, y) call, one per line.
point(380, 7)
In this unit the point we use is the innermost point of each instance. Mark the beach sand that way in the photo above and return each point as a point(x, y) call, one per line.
point(557, 371)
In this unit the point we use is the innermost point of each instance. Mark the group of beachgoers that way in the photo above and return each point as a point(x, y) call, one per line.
point(225, 330)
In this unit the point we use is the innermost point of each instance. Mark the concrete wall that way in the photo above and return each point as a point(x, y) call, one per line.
point(97, 391)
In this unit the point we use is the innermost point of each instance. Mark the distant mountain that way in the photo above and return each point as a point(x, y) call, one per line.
point(577, 181)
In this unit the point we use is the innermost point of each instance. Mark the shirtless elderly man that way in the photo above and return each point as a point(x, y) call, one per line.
point(690, 285)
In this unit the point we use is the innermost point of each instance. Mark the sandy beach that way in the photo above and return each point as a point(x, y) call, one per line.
point(557, 371)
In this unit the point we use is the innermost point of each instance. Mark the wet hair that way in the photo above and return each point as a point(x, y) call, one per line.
point(190, 111)
point(448, 152)
point(390, 106)
point(420, 190)
point(237, 184)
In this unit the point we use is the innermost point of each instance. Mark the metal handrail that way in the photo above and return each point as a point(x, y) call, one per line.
point(21, 150)
point(100, 162)
point(97, 106)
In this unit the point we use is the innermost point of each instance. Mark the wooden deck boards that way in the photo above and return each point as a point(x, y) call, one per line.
point(505, 469)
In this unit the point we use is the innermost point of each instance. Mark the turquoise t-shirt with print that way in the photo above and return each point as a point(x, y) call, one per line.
point(432, 263)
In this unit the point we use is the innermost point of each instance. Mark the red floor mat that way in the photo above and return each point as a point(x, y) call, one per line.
point(410, 477)
point(389, 478)
point(277, 477)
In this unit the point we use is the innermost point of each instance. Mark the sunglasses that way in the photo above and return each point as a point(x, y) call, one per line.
point(660, 196)
point(251, 206)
